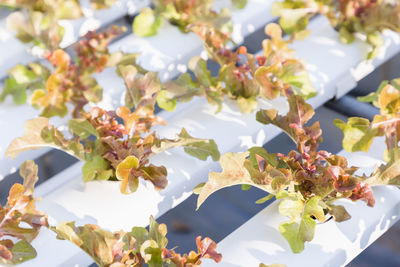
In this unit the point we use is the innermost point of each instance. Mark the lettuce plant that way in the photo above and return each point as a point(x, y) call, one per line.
point(195, 15)
point(37, 21)
point(20, 222)
point(360, 132)
point(68, 82)
point(307, 181)
point(243, 77)
point(135, 248)
point(115, 249)
point(348, 17)
point(115, 144)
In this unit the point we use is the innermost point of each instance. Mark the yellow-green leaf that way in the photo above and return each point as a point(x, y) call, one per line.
point(146, 23)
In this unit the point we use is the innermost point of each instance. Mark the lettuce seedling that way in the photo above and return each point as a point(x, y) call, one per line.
point(116, 144)
point(37, 21)
point(307, 181)
point(135, 248)
point(360, 132)
point(68, 82)
point(243, 77)
point(20, 222)
point(348, 17)
point(197, 15)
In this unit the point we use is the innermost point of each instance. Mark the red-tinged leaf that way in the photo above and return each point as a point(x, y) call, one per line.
point(5, 253)
point(300, 112)
point(363, 192)
point(339, 213)
point(343, 181)
point(59, 58)
point(19, 219)
point(261, 162)
point(137, 122)
point(208, 249)
point(264, 77)
point(157, 175)
point(293, 123)
point(142, 90)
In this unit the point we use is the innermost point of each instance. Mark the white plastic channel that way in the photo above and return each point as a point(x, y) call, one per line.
point(334, 244)
point(159, 54)
point(68, 198)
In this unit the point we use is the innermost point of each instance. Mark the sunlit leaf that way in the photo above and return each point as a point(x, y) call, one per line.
point(125, 173)
point(146, 23)
point(82, 128)
point(32, 138)
point(301, 227)
point(233, 173)
point(96, 168)
point(358, 133)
